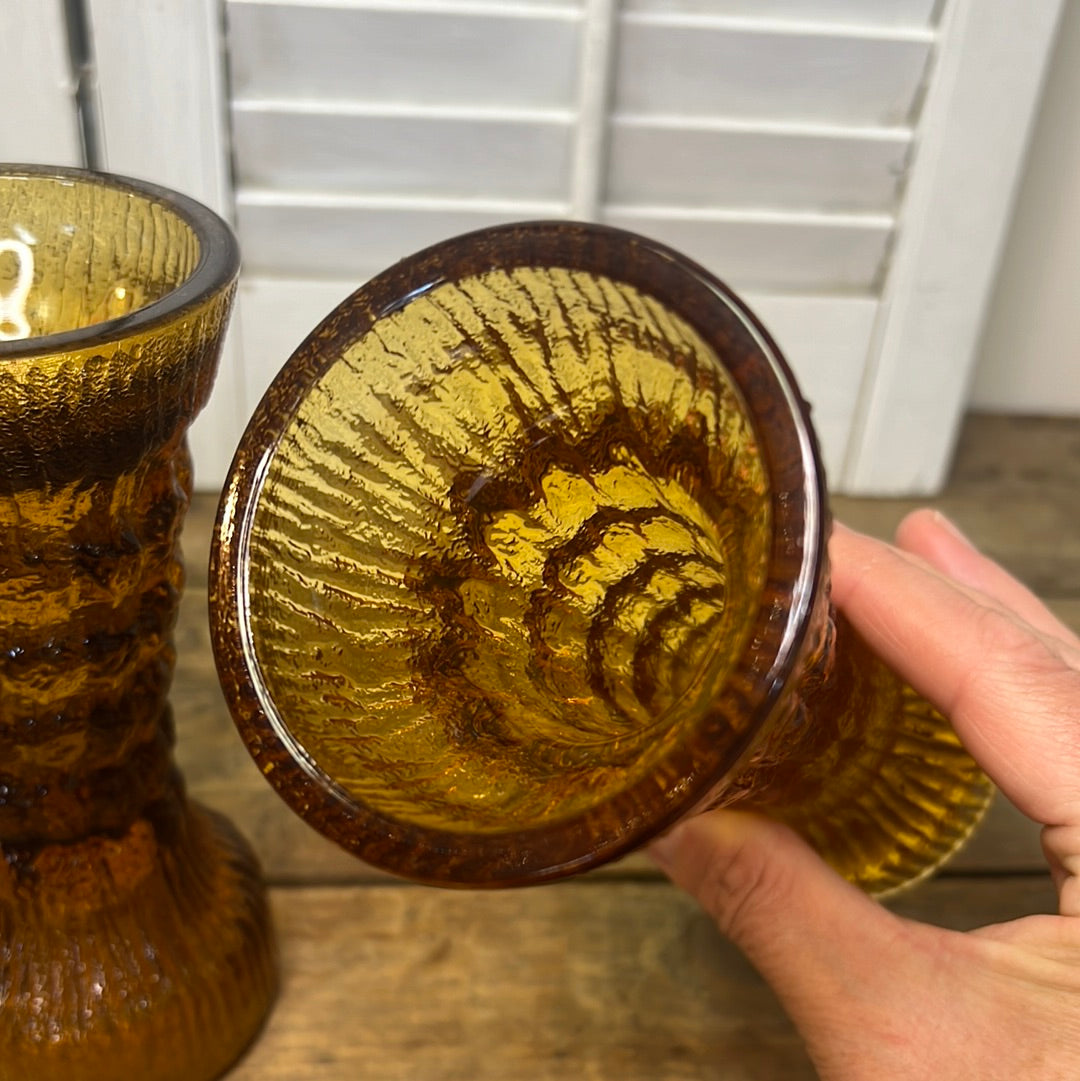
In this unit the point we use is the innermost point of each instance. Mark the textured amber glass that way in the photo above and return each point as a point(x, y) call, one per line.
point(134, 932)
point(523, 558)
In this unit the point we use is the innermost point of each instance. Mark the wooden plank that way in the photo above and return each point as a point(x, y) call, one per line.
point(282, 146)
point(631, 982)
point(962, 904)
point(1032, 465)
point(615, 976)
point(720, 163)
point(972, 135)
point(518, 56)
point(706, 66)
point(883, 13)
point(41, 125)
point(627, 981)
point(770, 252)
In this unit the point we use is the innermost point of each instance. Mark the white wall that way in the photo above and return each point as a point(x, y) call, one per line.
point(1029, 360)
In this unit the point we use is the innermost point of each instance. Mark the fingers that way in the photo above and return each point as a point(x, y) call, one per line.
point(1011, 697)
point(1061, 846)
point(771, 895)
point(930, 535)
point(827, 950)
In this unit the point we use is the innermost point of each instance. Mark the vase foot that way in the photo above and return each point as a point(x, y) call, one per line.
point(885, 792)
point(147, 955)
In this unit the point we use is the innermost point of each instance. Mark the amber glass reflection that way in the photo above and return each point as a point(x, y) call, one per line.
point(523, 558)
point(134, 934)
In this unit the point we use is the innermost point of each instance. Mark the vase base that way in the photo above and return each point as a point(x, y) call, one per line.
point(149, 955)
point(887, 793)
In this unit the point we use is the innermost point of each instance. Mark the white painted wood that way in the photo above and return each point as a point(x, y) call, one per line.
point(355, 148)
point(358, 149)
point(279, 313)
point(1029, 360)
point(971, 143)
point(594, 81)
point(162, 100)
point(891, 13)
point(321, 235)
point(316, 235)
point(703, 66)
point(512, 57)
point(162, 93)
point(777, 252)
point(458, 5)
point(36, 84)
point(709, 163)
point(824, 339)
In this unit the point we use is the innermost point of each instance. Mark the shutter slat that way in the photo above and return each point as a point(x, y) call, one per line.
point(707, 68)
point(397, 54)
point(323, 235)
point(771, 251)
point(658, 161)
point(886, 13)
point(486, 156)
point(327, 236)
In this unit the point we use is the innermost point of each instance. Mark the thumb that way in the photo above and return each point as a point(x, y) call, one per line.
point(815, 938)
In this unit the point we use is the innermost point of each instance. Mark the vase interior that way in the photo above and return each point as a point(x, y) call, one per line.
point(77, 252)
point(500, 564)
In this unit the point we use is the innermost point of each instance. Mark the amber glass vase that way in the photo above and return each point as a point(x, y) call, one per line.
point(523, 558)
point(134, 931)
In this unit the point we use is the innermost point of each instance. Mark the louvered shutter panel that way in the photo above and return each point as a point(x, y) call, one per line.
point(768, 140)
point(847, 165)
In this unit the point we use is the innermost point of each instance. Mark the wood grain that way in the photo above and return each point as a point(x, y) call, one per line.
point(628, 981)
point(618, 980)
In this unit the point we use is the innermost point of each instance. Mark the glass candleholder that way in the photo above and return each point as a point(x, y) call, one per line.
point(135, 938)
point(522, 559)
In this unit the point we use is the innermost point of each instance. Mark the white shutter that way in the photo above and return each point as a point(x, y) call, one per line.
point(37, 86)
point(848, 166)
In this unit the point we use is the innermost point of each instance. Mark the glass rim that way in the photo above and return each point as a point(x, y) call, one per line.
point(795, 572)
point(217, 266)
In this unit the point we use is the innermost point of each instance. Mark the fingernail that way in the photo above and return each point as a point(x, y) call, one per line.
point(950, 527)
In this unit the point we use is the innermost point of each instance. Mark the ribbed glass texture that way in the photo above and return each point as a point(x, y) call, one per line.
point(523, 558)
point(134, 934)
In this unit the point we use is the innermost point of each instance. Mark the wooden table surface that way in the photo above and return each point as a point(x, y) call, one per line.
point(615, 975)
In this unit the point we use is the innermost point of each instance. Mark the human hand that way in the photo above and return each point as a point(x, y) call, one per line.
point(874, 995)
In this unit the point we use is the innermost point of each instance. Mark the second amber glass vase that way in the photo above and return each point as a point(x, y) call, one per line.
point(523, 558)
point(134, 930)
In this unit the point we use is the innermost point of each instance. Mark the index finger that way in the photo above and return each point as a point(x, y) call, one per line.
point(1013, 699)
point(930, 535)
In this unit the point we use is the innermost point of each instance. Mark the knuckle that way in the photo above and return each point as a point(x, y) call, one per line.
point(744, 890)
